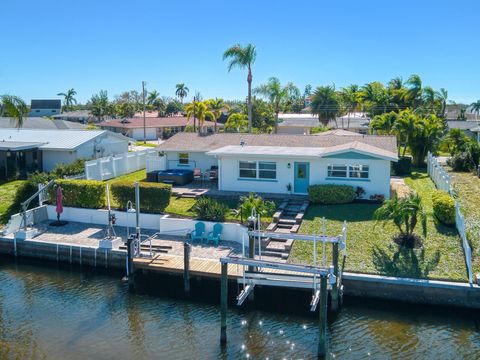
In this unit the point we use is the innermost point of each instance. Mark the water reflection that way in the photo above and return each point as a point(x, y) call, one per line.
point(62, 313)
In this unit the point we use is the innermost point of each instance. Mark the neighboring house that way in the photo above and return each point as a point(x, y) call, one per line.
point(303, 123)
point(45, 107)
point(41, 123)
point(79, 116)
point(29, 150)
point(469, 127)
point(286, 163)
point(156, 128)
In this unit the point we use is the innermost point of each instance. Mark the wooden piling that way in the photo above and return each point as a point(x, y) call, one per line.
point(186, 267)
point(322, 321)
point(223, 303)
point(334, 292)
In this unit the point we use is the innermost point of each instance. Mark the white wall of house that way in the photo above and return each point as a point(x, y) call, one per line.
point(377, 183)
point(137, 133)
point(53, 157)
point(95, 148)
point(196, 160)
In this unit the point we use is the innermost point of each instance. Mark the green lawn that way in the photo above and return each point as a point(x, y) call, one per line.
point(141, 143)
point(140, 175)
point(467, 187)
point(7, 195)
point(370, 246)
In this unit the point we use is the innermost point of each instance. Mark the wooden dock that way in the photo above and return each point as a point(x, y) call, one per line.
point(173, 264)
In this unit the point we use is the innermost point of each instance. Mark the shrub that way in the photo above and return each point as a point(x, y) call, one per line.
point(82, 193)
point(210, 210)
point(466, 160)
point(75, 168)
point(154, 197)
point(403, 166)
point(444, 207)
point(331, 194)
point(23, 192)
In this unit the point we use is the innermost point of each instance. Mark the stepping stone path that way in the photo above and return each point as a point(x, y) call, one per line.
point(286, 220)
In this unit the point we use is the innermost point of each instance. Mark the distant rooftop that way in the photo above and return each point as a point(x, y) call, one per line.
point(45, 104)
point(51, 140)
point(41, 123)
point(137, 122)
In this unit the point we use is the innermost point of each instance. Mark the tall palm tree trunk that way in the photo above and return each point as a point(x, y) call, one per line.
point(249, 81)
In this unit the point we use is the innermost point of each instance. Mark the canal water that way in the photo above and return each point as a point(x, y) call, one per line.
point(67, 313)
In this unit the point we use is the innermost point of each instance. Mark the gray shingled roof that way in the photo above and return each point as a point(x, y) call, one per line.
point(41, 123)
point(193, 142)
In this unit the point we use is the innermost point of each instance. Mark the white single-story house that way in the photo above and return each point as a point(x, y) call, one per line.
point(31, 150)
point(276, 163)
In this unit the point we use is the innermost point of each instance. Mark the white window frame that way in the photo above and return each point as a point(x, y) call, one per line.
point(257, 170)
point(350, 169)
point(181, 160)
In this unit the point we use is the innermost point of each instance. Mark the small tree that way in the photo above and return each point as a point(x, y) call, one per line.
point(405, 214)
point(262, 207)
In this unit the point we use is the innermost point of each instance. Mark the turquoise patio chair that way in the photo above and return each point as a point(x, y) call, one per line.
point(215, 235)
point(199, 232)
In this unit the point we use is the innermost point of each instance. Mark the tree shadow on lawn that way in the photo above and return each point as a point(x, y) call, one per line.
point(405, 262)
point(355, 212)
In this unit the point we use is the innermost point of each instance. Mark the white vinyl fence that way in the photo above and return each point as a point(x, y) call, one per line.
point(112, 166)
point(443, 181)
point(156, 162)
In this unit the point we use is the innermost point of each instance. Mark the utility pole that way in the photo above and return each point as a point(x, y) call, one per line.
point(144, 118)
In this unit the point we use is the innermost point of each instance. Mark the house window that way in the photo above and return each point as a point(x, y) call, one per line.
point(183, 158)
point(337, 171)
point(348, 171)
point(267, 170)
point(358, 171)
point(248, 169)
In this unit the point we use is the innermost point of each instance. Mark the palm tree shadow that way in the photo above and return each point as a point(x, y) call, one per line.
point(405, 262)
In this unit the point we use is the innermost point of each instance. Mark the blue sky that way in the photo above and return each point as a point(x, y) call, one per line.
point(50, 46)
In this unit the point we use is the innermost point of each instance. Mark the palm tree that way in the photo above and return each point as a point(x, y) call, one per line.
point(182, 91)
point(277, 94)
point(442, 96)
point(429, 97)
point(14, 107)
point(152, 97)
point(476, 108)
point(68, 98)
point(325, 104)
point(351, 98)
point(414, 92)
point(243, 57)
point(200, 111)
point(216, 106)
point(405, 214)
point(236, 122)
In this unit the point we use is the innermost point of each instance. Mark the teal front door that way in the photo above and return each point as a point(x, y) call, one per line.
point(302, 177)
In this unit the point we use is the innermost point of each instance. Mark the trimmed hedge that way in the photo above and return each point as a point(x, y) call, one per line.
point(444, 207)
point(210, 210)
point(403, 166)
point(82, 193)
point(154, 197)
point(331, 194)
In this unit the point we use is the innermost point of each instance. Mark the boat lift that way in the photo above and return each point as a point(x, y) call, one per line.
point(321, 279)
